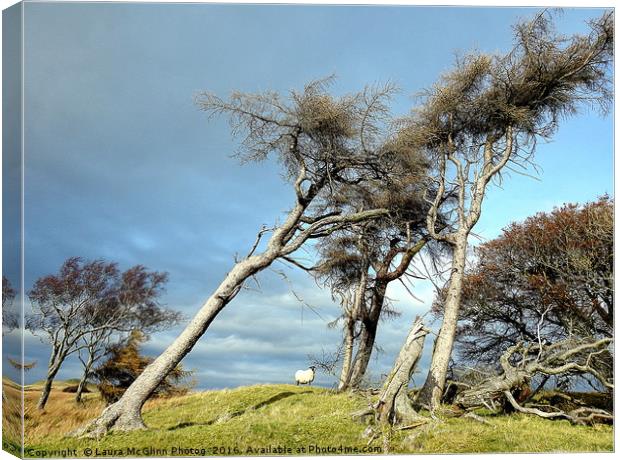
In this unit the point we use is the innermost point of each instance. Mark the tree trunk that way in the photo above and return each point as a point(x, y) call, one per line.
point(345, 373)
point(368, 336)
point(125, 414)
point(431, 392)
point(394, 405)
point(490, 393)
point(349, 330)
point(364, 351)
point(47, 387)
point(82, 384)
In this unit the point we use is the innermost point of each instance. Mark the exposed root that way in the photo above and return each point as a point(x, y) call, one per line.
point(113, 418)
point(521, 362)
point(579, 416)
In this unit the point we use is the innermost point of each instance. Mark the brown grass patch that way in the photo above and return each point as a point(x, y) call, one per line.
point(61, 414)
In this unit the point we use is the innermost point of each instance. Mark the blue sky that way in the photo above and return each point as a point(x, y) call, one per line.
point(121, 165)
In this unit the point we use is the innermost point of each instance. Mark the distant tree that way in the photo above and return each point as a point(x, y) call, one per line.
point(91, 300)
point(125, 363)
point(137, 305)
point(324, 144)
point(10, 318)
point(483, 118)
point(548, 278)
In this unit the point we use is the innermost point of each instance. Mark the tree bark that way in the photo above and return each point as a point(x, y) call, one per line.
point(368, 335)
point(349, 330)
point(431, 392)
point(82, 384)
point(394, 405)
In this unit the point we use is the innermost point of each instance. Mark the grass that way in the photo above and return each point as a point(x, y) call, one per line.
point(260, 419)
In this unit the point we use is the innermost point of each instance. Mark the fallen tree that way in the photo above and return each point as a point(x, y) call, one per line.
point(523, 362)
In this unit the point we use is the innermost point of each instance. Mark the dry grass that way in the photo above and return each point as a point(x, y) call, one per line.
point(11, 417)
point(61, 415)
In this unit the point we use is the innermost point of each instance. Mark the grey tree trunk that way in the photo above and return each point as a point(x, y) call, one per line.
point(345, 372)
point(432, 391)
point(47, 386)
point(394, 405)
point(349, 330)
point(368, 336)
point(55, 361)
point(83, 380)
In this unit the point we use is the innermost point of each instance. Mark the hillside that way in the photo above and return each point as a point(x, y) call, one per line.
point(280, 419)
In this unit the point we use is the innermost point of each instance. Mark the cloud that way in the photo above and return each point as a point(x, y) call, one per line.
point(262, 336)
point(120, 163)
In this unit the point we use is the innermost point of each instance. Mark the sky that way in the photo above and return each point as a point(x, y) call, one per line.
point(120, 164)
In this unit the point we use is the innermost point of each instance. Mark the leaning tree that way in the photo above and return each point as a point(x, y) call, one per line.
point(324, 144)
point(484, 117)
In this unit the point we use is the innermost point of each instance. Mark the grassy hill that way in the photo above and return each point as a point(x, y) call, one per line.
point(283, 419)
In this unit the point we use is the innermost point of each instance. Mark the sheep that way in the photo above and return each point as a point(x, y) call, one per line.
point(304, 377)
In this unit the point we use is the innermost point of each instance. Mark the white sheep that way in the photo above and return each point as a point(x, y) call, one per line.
point(304, 377)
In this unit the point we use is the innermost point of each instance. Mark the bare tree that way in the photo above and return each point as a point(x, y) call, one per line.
point(86, 300)
point(93, 346)
point(10, 318)
point(136, 305)
point(483, 118)
point(325, 144)
point(385, 271)
point(346, 274)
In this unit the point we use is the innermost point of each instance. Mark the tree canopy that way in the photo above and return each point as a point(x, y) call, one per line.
point(550, 276)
